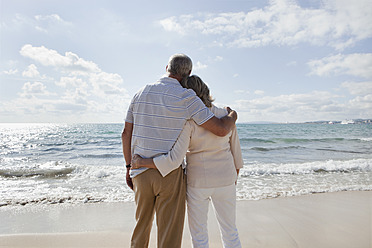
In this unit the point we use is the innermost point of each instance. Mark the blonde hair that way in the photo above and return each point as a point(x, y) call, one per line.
point(201, 89)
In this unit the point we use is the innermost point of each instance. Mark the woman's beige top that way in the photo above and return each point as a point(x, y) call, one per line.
point(211, 160)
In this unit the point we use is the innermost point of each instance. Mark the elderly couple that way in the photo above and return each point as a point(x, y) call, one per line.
point(165, 122)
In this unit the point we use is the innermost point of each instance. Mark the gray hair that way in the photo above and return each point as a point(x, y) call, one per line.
point(180, 65)
point(201, 89)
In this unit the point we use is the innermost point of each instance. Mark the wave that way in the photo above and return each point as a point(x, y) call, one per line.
point(106, 155)
point(264, 149)
point(303, 140)
point(36, 173)
point(51, 200)
point(297, 140)
point(63, 183)
point(48, 170)
point(256, 140)
point(329, 166)
point(335, 150)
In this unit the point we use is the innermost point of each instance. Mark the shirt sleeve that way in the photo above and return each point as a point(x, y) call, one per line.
point(235, 149)
point(173, 159)
point(197, 109)
point(129, 117)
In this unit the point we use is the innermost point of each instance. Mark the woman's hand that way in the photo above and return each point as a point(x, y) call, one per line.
point(136, 161)
point(139, 162)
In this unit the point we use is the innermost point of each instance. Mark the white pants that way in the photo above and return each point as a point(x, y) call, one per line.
point(224, 202)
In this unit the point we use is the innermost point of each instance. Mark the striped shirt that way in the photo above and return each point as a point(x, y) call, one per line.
point(159, 112)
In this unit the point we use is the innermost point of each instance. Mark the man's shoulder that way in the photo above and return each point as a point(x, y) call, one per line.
point(171, 86)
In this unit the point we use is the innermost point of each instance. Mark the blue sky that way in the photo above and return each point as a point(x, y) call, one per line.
point(282, 61)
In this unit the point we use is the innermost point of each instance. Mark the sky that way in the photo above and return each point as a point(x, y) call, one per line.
point(279, 61)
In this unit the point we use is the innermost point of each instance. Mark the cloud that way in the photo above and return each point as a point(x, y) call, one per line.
point(259, 92)
point(10, 72)
point(31, 71)
point(49, 57)
point(291, 63)
point(34, 90)
point(316, 105)
point(75, 89)
point(358, 88)
point(47, 23)
point(199, 66)
point(334, 23)
point(241, 91)
point(357, 64)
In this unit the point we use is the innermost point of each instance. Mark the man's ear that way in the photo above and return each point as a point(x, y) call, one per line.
point(189, 72)
point(166, 68)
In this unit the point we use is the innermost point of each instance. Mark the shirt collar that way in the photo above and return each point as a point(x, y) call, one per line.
point(169, 80)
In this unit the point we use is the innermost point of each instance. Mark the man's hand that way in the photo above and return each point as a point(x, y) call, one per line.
point(129, 180)
point(221, 127)
point(232, 113)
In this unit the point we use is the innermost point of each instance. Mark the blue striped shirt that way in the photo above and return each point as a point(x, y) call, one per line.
point(159, 112)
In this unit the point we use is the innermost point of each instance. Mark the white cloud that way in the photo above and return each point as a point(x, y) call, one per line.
point(241, 91)
point(358, 88)
point(10, 72)
point(52, 23)
point(77, 89)
point(49, 57)
point(32, 90)
point(47, 23)
point(199, 66)
point(286, 107)
point(334, 23)
point(316, 105)
point(31, 71)
point(259, 92)
point(357, 64)
point(292, 63)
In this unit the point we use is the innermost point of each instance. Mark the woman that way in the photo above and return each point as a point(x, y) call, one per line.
point(212, 169)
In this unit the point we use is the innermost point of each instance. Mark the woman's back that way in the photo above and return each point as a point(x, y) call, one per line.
point(211, 160)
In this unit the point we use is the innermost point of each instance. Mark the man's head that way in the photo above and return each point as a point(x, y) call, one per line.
point(179, 66)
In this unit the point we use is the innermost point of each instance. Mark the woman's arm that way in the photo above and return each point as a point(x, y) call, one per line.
point(173, 159)
point(236, 149)
point(139, 162)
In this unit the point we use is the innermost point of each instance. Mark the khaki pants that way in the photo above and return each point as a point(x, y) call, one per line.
point(164, 196)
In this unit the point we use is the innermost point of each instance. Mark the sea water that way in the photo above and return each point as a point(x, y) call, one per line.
point(83, 163)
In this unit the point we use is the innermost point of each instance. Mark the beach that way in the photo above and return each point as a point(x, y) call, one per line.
point(302, 185)
point(341, 219)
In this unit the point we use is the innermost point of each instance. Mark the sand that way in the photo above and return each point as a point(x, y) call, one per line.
point(326, 220)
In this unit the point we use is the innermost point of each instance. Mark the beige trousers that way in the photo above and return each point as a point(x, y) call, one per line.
point(165, 196)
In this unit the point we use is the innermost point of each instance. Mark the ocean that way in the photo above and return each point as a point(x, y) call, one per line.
point(43, 164)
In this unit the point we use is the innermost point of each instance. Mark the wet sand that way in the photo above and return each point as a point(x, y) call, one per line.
point(342, 219)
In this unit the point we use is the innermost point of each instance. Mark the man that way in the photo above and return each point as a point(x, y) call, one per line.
point(154, 120)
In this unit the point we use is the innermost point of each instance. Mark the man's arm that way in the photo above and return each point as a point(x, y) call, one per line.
point(126, 139)
point(221, 127)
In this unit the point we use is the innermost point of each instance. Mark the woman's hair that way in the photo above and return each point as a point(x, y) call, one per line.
point(179, 64)
point(201, 89)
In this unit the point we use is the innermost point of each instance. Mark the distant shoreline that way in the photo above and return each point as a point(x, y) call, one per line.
point(349, 122)
point(356, 121)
